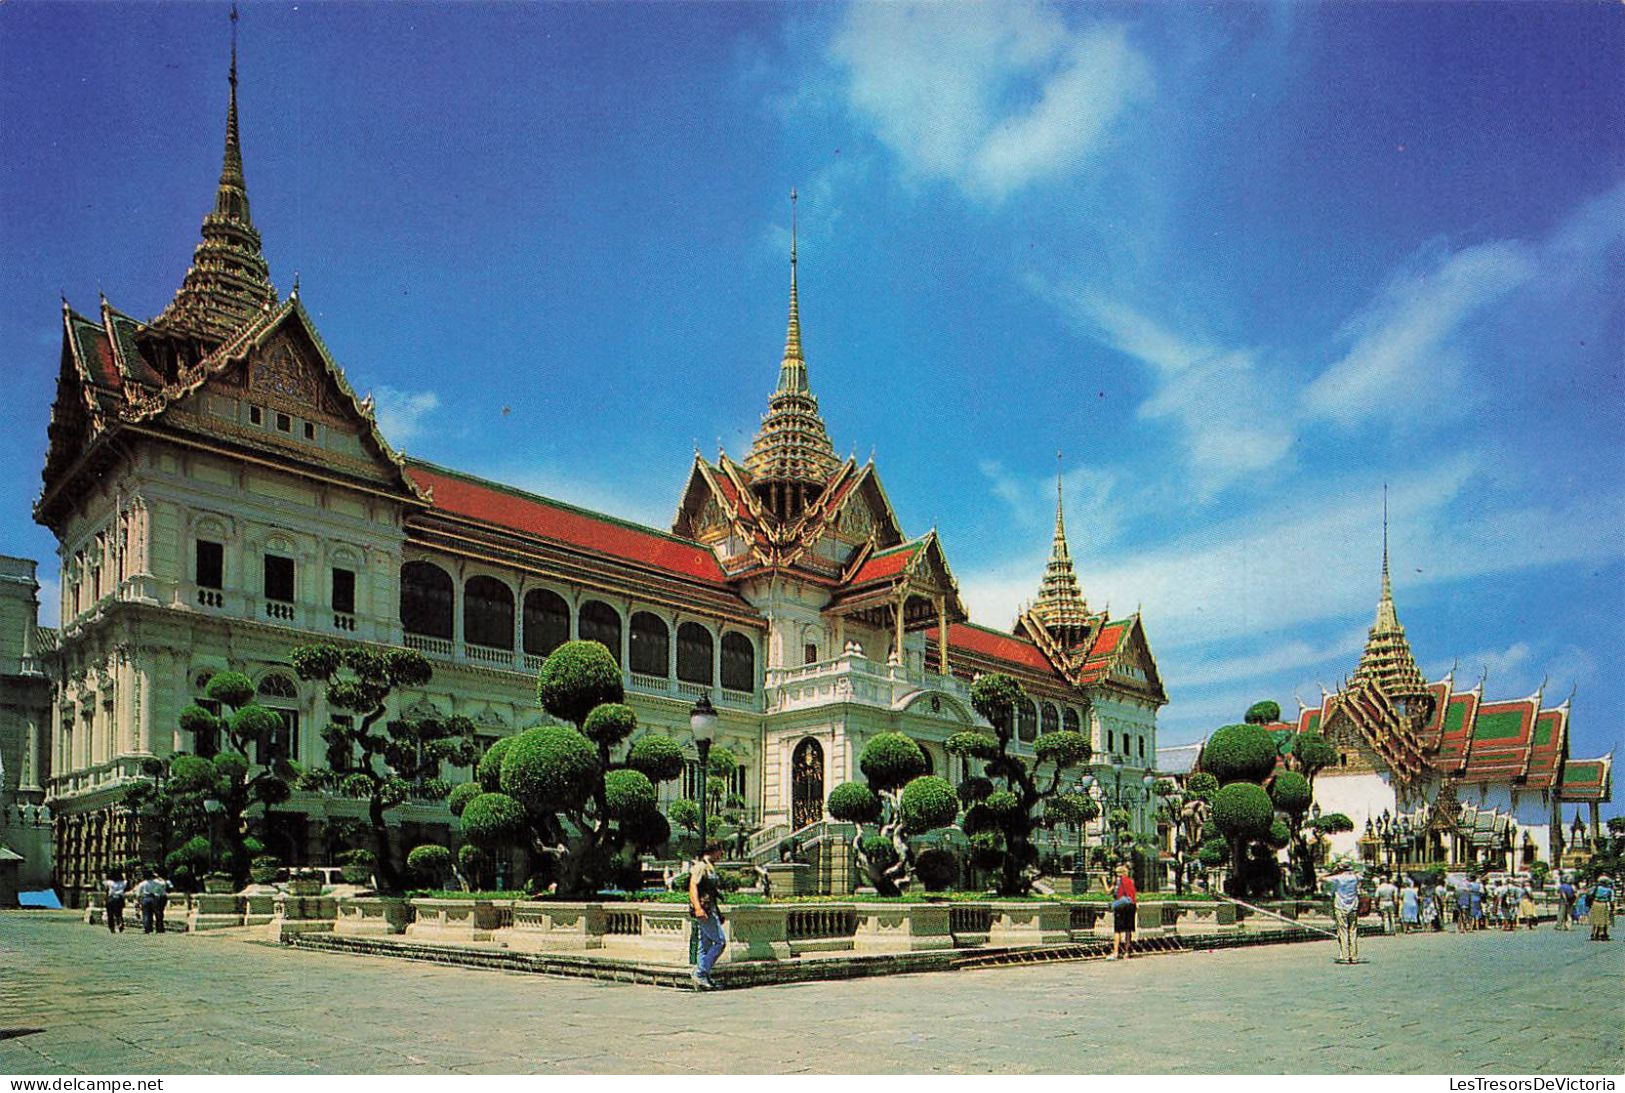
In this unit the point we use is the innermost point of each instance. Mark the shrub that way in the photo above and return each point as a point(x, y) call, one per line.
point(610, 723)
point(493, 819)
point(937, 869)
point(1202, 785)
point(230, 689)
point(430, 861)
point(854, 802)
point(263, 869)
point(657, 756)
point(1002, 805)
point(459, 797)
point(880, 850)
point(356, 866)
point(927, 802)
point(974, 789)
point(576, 678)
point(646, 830)
point(1290, 792)
point(550, 769)
point(1279, 835)
point(973, 745)
point(890, 761)
point(1213, 853)
point(628, 793)
point(489, 772)
point(995, 697)
point(1067, 749)
point(1239, 753)
point(1312, 752)
point(1074, 809)
point(1242, 811)
point(684, 813)
point(986, 850)
point(1263, 713)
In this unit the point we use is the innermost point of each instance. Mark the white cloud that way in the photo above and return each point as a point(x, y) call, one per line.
point(1403, 342)
point(1280, 656)
point(1215, 397)
point(401, 413)
point(1494, 665)
point(994, 97)
point(1090, 500)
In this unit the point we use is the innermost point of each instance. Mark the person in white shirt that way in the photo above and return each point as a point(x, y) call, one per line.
point(1344, 885)
point(1388, 905)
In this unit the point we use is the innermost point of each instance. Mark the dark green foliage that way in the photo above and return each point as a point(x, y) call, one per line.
point(854, 802)
point(550, 769)
point(1213, 853)
point(890, 761)
point(493, 820)
point(474, 863)
point(1279, 835)
point(1312, 753)
point(263, 869)
point(1072, 809)
point(685, 814)
point(1002, 805)
point(1068, 749)
point(927, 802)
point(979, 820)
point(628, 794)
point(937, 869)
point(1263, 713)
point(880, 850)
point(576, 678)
point(431, 862)
point(1290, 792)
point(973, 745)
point(384, 761)
point(489, 772)
point(1239, 753)
point(196, 720)
point(1242, 810)
point(356, 866)
point(1332, 823)
point(610, 723)
point(987, 850)
point(1202, 785)
point(974, 789)
point(656, 755)
point(230, 689)
point(255, 722)
point(995, 697)
point(460, 795)
point(721, 761)
point(646, 830)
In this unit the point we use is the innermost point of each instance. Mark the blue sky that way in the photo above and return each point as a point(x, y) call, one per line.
point(1244, 264)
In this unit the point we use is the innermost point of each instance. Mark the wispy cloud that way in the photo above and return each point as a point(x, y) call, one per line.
point(402, 414)
point(1282, 656)
point(994, 97)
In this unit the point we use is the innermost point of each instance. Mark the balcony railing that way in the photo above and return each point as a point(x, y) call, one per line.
point(853, 678)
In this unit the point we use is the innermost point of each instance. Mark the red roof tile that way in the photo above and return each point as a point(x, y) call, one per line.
point(991, 643)
point(881, 567)
point(458, 495)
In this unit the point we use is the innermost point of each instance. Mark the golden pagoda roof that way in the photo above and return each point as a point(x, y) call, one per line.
point(1387, 660)
point(1060, 602)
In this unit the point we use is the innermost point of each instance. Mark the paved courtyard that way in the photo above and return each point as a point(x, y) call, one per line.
point(74, 999)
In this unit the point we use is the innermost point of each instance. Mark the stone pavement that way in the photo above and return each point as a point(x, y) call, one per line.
point(74, 999)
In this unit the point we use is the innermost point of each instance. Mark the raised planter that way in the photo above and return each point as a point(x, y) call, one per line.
point(215, 911)
point(758, 932)
point(538, 926)
point(292, 915)
point(218, 884)
point(303, 886)
point(371, 916)
point(465, 920)
point(909, 929)
point(647, 931)
point(1025, 924)
point(791, 878)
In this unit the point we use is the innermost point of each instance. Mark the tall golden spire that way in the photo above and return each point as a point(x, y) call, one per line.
point(792, 457)
point(1387, 659)
point(229, 281)
point(1061, 605)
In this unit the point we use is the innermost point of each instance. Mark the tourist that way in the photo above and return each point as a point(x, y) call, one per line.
point(1526, 908)
point(1511, 897)
point(1565, 904)
point(1464, 906)
point(1441, 898)
point(162, 901)
point(1410, 908)
point(1601, 901)
point(1123, 898)
point(146, 897)
point(1388, 904)
point(1345, 890)
point(704, 893)
point(1475, 897)
point(114, 909)
point(1430, 908)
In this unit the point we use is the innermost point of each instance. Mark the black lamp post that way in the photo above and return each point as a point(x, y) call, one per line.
point(214, 808)
point(702, 724)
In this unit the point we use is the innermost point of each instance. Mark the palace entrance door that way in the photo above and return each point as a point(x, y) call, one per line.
point(806, 784)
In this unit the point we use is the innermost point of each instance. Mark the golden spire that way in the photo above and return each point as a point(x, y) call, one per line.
point(1060, 604)
point(792, 457)
point(1387, 659)
point(229, 282)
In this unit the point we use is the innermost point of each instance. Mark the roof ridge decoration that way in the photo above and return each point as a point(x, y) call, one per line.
point(792, 448)
point(229, 282)
point(1060, 603)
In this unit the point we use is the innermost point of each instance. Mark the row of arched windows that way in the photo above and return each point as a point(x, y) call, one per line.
point(428, 603)
point(1029, 715)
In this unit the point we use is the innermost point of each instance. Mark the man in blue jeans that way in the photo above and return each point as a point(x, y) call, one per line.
point(1345, 891)
point(704, 888)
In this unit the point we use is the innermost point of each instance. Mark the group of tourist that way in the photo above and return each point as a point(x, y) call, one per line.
point(151, 895)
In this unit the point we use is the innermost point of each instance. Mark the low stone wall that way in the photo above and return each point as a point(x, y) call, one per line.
point(371, 916)
point(465, 920)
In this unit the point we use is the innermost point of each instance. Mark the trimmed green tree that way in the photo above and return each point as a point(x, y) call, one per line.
point(896, 800)
point(1263, 713)
point(1311, 754)
point(243, 727)
point(381, 759)
point(560, 792)
point(1002, 803)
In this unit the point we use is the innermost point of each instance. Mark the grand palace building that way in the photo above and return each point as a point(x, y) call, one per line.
point(220, 495)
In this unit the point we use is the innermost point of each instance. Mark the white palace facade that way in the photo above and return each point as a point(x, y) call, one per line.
point(220, 495)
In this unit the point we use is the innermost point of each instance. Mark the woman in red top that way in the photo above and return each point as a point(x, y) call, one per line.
point(1123, 897)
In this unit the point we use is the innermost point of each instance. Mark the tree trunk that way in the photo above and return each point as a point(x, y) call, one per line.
point(389, 878)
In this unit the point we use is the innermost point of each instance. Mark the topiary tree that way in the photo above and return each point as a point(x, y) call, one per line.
point(370, 755)
point(562, 794)
point(242, 727)
point(165, 814)
point(431, 863)
point(1263, 713)
point(896, 800)
point(1311, 754)
point(1240, 753)
point(1244, 814)
point(1000, 818)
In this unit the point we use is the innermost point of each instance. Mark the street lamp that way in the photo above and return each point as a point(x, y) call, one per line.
point(214, 808)
point(702, 724)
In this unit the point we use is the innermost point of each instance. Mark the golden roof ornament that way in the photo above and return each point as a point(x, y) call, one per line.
point(229, 282)
point(1387, 660)
point(1061, 606)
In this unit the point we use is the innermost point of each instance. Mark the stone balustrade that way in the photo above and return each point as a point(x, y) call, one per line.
point(371, 916)
point(464, 920)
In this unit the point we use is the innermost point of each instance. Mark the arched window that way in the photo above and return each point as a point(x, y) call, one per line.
point(1069, 720)
point(487, 613)
point(547, 621)
point(278, 686)
point(694, 653)
point(738, 662)
point(282, 695)
point(1026, 720)
point(651, 645)
point(426, 600)
point(601, 623)
point(1052, 718)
